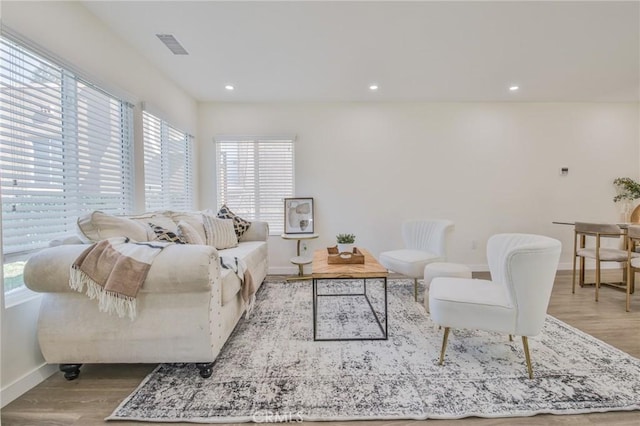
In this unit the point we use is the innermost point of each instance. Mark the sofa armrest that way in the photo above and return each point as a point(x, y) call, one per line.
point(179, 268)
point(258, 231)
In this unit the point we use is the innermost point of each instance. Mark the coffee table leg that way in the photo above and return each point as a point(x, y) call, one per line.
point(386, 312)
point(315, 300)
point(384, 330)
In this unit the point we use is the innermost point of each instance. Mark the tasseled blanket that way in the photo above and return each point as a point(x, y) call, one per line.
point(113, 271)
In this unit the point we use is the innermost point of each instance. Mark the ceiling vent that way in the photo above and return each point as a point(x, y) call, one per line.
point(174, 45)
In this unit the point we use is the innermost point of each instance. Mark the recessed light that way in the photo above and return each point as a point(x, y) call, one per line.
point(229, 87)
point(373, 87)
point(514, 88)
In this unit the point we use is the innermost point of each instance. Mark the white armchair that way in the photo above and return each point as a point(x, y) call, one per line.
point(425, 242)
point(514, 301)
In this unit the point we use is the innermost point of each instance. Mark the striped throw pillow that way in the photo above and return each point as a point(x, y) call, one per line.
point(220, 233)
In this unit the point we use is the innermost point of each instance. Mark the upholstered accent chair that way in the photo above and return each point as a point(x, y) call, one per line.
point(514, 301)
point(425, 241)
point(581, 250)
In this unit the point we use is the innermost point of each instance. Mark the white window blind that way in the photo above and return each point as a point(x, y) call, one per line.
point(65, 150)
point(254, 175)
point(168, 165)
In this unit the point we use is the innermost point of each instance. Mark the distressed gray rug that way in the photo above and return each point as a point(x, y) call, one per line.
point(272, 370)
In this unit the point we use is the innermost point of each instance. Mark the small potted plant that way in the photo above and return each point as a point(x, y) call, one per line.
point(345, 242)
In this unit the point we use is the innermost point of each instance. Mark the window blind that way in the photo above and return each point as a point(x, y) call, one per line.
point(168, 165)
point(254, 175)
point(66, 149)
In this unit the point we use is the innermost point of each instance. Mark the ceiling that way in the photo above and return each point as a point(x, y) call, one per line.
point(306, 51)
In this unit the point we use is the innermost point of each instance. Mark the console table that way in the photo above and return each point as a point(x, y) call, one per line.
point(298, 259)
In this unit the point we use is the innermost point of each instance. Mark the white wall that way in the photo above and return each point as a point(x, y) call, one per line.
point(73, 34)
point(489, 167)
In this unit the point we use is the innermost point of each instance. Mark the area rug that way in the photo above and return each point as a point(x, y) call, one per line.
point(272, 370)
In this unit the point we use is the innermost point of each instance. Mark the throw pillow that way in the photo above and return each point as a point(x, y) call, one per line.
point(188, 233)
point(220, 232)
point(97, 226)
point(240, 225)
point(164, 234)
point(192, 218)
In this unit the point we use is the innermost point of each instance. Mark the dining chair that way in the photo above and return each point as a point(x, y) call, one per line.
point(596, 232)
point(633, 261)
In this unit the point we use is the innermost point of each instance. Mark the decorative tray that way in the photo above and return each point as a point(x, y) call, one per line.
point(344, 258)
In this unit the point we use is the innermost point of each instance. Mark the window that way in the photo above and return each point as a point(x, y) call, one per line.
point(254, 175)
point(65, 149)
point(168, 165)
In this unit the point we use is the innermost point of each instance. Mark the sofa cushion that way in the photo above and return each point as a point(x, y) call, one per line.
point(220, 233)
point(189, 234)
point(194, 219)
point(99, 226)
point(162, 218)
point(239, 224)
point(253, 253)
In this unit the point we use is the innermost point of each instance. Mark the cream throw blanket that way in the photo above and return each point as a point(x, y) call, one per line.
point(113, 271)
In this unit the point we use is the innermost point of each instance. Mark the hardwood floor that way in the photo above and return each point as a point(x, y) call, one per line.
point(100, 388)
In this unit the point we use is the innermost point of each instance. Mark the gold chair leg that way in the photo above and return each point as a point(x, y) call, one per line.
point(510, 338)
point(525, 343)
point(444, 344)
point(415, 289)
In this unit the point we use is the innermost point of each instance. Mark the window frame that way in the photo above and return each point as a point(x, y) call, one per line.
point(83, 112)
point(163, 142)
point(275, 220)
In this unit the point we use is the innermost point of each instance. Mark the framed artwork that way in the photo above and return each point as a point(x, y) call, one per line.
point(298, 215)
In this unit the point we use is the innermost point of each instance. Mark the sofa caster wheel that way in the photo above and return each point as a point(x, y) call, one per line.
point(205, 369)
point(71, 371)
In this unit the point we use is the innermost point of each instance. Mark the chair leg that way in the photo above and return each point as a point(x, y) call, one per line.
point(510, 338)
point(525, 343)
point(415, 289)
point(630, 282)
point(573, 277)
point(444, 344)
point(597, 268)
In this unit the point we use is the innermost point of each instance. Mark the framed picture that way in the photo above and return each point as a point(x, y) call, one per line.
point(298, 215)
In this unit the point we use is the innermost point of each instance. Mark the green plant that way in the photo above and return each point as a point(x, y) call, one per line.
point(346, 238)
point(627, 189)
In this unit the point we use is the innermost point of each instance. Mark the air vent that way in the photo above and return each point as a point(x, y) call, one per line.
point(174, 45)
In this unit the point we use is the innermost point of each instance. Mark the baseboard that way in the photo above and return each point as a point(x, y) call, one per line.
point(285, 270)
point(568, 266)
point(563, 266)
point(26, 382)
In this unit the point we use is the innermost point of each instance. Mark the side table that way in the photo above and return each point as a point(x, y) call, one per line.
point(298, 259)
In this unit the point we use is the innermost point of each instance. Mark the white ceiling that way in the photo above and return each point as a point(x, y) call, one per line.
point(415, 51)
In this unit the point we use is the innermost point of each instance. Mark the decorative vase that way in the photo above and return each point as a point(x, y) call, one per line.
point(348, 248)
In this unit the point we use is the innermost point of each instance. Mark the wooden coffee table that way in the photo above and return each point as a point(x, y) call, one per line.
point(371, 269)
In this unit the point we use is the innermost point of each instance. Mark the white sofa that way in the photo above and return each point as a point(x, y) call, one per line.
point(186, 309)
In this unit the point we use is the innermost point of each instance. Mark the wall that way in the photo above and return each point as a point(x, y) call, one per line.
point(489, 167)
point(70, 32)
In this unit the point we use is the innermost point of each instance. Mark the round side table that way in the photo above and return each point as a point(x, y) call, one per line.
point(298, 259)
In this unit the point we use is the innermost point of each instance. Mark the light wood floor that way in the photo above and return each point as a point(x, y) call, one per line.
point(94, 395)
